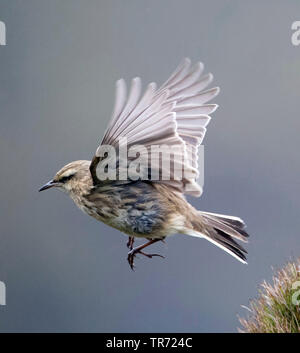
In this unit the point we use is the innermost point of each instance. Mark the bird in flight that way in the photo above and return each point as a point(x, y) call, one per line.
point(176, 114)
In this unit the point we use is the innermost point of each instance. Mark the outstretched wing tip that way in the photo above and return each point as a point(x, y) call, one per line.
point(214, 108)
point(217, 89)
point(152, 84)
point(120, 81)
point(200, 65)
point(136, 79)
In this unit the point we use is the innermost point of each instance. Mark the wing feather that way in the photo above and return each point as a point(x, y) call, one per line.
point(174, 115)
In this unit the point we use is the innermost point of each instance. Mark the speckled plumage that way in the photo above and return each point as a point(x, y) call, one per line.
point(137, 208)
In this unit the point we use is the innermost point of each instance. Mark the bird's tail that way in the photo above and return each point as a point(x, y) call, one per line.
point(222, 231)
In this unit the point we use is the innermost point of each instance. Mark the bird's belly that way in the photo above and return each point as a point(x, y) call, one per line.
point(137, 223)
point(132, 221)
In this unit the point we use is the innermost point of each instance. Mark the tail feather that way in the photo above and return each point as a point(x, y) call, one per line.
point(221, 230)
point(228, 242)
point(227, 225)
point(231, 220)
point(226, 238)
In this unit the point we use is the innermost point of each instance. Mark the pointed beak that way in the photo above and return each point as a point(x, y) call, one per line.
point(49, 185)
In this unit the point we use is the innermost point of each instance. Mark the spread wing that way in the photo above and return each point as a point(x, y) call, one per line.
point(175, 115)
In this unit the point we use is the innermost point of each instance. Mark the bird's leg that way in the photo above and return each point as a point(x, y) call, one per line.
point(138, 250)
point(130, 243)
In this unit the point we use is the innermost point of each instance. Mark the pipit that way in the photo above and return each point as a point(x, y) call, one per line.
point(174, 115)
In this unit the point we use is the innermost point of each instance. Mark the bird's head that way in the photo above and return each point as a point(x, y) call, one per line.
point(72, 177)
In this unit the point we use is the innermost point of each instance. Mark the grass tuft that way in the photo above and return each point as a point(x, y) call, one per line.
point(277, 308)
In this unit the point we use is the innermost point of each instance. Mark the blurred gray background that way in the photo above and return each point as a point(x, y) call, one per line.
point(63, 270)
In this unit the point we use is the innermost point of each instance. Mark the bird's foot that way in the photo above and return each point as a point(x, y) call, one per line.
point(130, 243)
point(132, 254)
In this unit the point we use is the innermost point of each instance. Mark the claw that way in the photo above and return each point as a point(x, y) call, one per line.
point(133, 254)
point(130, 259)
point(151, 255)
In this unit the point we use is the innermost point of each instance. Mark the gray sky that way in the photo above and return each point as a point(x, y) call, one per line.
point(65, 271)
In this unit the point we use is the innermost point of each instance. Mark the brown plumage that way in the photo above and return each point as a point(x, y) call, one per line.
point(174, 115)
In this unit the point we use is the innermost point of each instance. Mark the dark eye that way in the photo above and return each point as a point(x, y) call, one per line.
point(66, 178)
